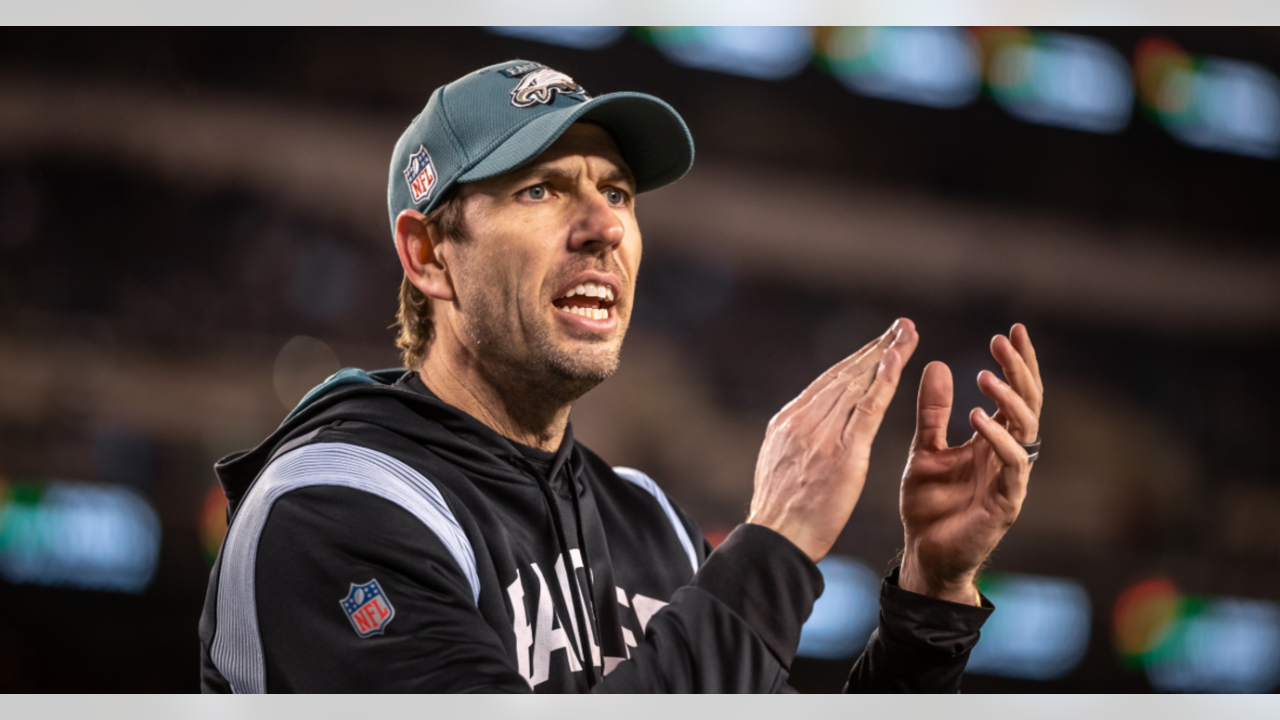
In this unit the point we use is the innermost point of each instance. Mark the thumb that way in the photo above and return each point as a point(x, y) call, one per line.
point(933, 407)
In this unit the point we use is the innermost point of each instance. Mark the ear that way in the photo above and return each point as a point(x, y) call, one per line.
point(417, 242)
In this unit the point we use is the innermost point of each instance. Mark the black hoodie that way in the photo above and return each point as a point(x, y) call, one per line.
point(383, 540)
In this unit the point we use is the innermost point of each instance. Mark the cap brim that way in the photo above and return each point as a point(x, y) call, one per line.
point(651, 136)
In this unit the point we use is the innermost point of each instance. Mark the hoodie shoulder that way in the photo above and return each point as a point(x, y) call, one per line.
point(379, 398)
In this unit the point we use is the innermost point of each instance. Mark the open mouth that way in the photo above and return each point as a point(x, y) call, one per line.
point(588, 300)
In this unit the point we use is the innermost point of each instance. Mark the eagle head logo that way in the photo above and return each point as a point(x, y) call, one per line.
point(540, 87)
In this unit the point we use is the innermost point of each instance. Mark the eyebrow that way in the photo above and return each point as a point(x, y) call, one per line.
point(613, 175)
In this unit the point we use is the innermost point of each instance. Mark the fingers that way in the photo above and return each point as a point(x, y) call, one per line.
point(845, 371)
point(869, 411)
point(933, 407)
point(1022, 343)
point(1007, 449)
point(1023, 423)
point(851, 376)
point(1015, 368)
point(852, 393)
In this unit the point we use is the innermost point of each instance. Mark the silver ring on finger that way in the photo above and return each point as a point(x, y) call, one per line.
point(1033, 450)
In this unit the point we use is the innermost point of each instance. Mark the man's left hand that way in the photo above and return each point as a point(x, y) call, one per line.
point(958, 502)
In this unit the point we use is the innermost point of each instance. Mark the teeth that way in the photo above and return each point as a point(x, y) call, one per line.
point(592, 313)
point(591, 290)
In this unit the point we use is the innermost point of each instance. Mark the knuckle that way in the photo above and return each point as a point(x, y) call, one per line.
point(1023, 462)
point(871, 405)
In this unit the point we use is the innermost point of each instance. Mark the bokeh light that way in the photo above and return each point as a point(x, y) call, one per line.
point(932, 66)
point(1210, 103)
point(92, 536)
point(212, 523)
point(764, 53)
point(302, 363)
point(1198, 644)
point(1056, 79)
point(1039, 631)
point(845, 615)
point(1142, 617)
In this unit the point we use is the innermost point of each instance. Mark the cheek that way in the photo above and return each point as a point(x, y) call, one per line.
point(629, 254)
point(528, 272)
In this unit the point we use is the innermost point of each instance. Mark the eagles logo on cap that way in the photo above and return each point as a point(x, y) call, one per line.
point(540, 86)
point(498, 118)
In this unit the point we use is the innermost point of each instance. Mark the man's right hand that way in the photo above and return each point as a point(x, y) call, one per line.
point(813, 463)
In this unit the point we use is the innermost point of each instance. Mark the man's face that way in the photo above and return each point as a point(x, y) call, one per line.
point(546, 280)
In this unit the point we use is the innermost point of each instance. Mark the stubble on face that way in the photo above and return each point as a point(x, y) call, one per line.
point(519, 349)
point(511, 328)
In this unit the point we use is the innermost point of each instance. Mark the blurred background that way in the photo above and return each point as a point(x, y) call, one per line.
point(193, 233)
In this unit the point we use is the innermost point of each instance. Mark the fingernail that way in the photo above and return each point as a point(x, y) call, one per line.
point(983, 414)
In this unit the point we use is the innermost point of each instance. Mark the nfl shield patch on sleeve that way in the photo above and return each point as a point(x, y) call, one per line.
point(368, 608)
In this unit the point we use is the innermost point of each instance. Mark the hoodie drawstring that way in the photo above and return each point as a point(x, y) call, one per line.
point(575, 590)
point(586, 565)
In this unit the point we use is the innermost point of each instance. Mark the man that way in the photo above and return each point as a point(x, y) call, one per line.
point(440, 529)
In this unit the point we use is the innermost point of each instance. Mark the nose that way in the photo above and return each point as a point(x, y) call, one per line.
point(597, 227)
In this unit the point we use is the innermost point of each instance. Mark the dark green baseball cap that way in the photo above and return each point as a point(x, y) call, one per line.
point(501, 117)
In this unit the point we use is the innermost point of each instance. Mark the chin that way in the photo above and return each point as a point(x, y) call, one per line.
point(588, 365)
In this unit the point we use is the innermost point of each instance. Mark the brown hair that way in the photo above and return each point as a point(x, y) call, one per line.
point(414, 316)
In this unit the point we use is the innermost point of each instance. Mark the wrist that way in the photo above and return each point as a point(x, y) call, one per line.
point(957, 586)
point(812, 547)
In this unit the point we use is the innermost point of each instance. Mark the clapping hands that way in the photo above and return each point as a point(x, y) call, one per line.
point(957, 502)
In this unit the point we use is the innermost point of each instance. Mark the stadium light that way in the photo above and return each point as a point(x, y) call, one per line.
point(1057, 79)
point(1210, 103)
point(1198, 644)
point(92, 536)
point(761, 52)
point(932, 66)
point(1040, 630)
point(845, 615)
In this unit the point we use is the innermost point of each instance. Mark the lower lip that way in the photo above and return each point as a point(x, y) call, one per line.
point(585, 323)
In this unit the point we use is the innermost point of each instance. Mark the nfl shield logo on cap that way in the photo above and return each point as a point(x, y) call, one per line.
point(368, 608)
point(421, 175)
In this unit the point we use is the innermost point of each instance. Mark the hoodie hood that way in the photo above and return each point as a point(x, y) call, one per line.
point(389, 400)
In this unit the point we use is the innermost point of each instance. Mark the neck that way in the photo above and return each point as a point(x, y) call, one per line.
point(507, 401)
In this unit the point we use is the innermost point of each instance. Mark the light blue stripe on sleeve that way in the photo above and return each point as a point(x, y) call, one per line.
point(237, 644)
point(635, 477)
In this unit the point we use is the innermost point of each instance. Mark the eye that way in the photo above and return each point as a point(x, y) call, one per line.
point(615, 196)
point(537, 192)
